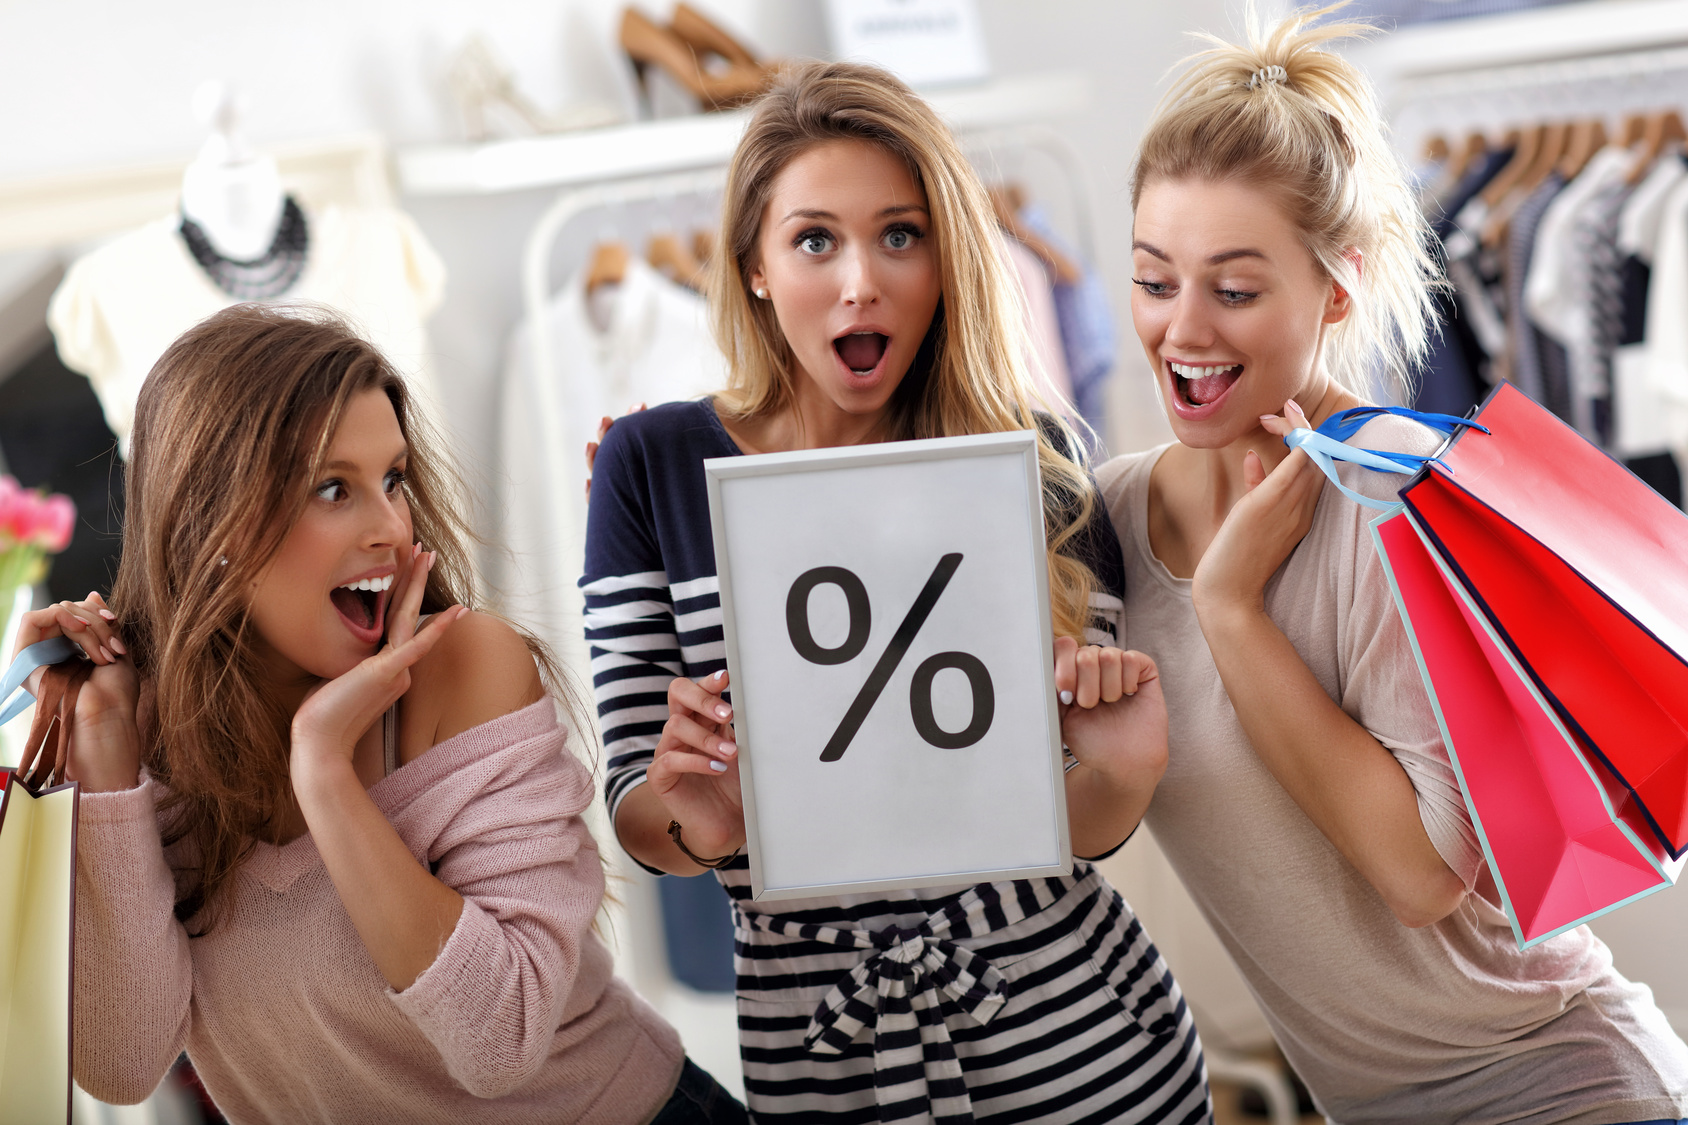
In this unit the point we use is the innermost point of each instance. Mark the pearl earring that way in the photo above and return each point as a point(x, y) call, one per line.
point(763, 292)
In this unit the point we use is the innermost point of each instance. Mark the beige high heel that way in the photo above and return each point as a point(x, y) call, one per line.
point(647, 44)
point(708, 37)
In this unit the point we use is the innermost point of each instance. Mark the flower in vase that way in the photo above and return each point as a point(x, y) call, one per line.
point(33, 525)
point(34, 519)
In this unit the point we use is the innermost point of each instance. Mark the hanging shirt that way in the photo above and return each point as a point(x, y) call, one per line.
point(1640, 420)
point(1524, 365)
point(1452, 382)
point(1047, 361)
point(121, 305)
point(644, 340)
point(1086, 320)
point(1667, 326)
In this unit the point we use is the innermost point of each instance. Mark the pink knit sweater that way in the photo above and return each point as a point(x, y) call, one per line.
point(287, 1018)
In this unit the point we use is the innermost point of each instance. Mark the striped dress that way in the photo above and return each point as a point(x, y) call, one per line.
point(1029, 1000)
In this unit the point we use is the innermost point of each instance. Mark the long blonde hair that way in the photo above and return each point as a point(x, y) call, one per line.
point(970, 376)
point(1279, 112)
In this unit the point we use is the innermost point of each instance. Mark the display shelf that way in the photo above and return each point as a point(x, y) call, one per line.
point(679, 143)
point(1593, 27)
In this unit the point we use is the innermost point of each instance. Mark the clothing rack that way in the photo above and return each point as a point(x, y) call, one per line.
point(535, 294)
point(984, 146)
point(1606, 86)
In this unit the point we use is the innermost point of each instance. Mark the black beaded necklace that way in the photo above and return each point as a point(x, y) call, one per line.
point(264, 277)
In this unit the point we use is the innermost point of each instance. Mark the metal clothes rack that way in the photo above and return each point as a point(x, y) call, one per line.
point(1606, 86)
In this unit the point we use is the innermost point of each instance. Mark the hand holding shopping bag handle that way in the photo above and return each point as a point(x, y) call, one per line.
point(47, 753)
point(104, 753)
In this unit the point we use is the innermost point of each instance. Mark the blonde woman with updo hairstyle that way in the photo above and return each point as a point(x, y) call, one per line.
point(1281, 275)
point(859, 297)
point(333, 852)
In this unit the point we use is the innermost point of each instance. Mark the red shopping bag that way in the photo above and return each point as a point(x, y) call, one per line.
point(1563, 842)
point(1582, 571)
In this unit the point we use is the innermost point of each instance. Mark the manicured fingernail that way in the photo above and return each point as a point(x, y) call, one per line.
point(108, 615)
point(727, 749)
point(722, 711)
point(1267, 417)
point(719, 675)
point(117, 646)
point(718, 767)
point(1067, 697)
point(106, 652)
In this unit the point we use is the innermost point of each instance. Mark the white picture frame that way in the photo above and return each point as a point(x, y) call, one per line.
point(919, 567)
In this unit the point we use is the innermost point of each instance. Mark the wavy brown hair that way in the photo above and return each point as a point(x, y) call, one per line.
point(970, 375)
point(231, 429)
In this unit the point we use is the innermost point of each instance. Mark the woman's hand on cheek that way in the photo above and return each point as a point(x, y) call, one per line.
point(1113, 715)
point(327, 726)
point(1261, 529)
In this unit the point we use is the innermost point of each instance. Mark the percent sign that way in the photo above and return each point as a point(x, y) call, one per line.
point(920, 688)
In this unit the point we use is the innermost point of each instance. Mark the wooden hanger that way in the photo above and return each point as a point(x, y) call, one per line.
point(1587, 138)
point(1007, 199)
point(1474, 146)
point(608, 265)
point(1634, 125)
point(703, 244)
point(1549, 150)
point(674, 260)
point(1658, 130)
point(1526, 146)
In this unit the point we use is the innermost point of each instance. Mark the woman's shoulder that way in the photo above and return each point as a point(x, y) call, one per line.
point(1116, 475)
point(480, 670)
point(672, 432)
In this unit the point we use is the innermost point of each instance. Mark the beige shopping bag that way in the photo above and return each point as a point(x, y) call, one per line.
point(37, 905)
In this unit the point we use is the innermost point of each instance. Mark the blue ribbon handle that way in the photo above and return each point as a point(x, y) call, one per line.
point(1327, 445)
point(14, 697)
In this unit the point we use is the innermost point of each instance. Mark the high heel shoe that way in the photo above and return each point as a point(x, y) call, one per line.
point(648, 43)
point(483, 85)
point(707, 37)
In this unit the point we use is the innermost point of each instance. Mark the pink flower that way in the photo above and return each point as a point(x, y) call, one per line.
point(14, 504)
point(55, 522)
point(35, 519)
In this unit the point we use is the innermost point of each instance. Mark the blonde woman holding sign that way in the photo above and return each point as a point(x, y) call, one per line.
point(1310, 806)
point(860, 298)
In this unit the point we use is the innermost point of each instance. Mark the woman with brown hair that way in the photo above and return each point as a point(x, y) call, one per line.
point(336, 856)
point(859, 297)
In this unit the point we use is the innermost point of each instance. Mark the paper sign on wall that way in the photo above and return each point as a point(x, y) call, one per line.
point(888, 635)
point(923, 42)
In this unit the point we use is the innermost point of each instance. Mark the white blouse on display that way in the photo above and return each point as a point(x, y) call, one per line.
point(120, 306)
point(643, 340)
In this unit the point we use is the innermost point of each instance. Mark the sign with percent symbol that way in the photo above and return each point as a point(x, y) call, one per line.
point(888, 635)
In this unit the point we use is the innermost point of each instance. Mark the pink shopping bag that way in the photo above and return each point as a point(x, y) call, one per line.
point(1564, 838)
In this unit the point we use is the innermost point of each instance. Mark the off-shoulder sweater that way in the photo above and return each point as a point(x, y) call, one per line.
point(282, 1009)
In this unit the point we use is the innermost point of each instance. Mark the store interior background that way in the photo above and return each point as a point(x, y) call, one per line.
point(106, 85)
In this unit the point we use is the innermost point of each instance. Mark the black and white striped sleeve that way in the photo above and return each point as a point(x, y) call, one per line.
point(630, 627)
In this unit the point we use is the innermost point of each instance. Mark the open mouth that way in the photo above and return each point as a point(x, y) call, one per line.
point(362, 605)
point(861, 352)
point(1201, 385)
